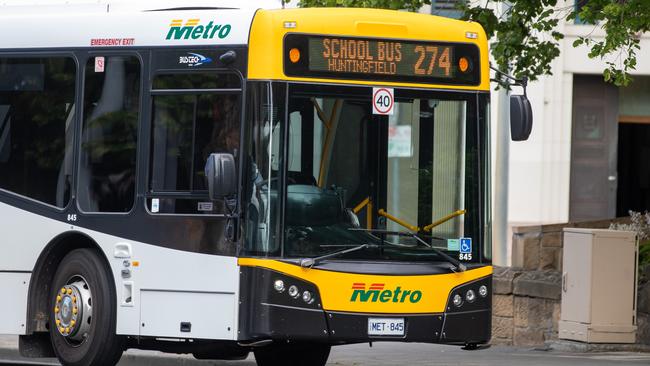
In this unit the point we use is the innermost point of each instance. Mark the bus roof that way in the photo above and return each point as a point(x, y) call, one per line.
point(200, 23)
point(89, 6)
point(107, 25)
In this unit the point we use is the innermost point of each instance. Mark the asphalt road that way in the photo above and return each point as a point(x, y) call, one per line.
point(381, 354)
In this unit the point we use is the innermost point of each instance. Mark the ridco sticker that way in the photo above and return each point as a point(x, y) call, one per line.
point(376, 292)
point(193, 29)
point(194, 59)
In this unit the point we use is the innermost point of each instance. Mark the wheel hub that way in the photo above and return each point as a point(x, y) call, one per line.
point(73, 310)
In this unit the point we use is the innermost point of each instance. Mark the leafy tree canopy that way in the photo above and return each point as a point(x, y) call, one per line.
point(525, 39)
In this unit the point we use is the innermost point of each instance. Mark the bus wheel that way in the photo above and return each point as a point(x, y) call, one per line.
point(83, 311)
point(293, 354)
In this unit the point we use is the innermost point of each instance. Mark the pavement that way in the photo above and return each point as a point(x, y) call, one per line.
point(381, 354)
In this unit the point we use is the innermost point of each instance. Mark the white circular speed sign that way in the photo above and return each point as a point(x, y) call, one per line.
point(383, 101)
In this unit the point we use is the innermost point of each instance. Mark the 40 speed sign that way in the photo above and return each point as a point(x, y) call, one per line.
point(383, 101)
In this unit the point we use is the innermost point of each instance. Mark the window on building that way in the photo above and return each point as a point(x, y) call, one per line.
point(109, 134)
point(579, 4)
point(447, 8)
point(36, 127)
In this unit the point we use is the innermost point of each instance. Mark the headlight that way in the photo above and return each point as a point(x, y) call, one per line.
point(278, 285)
point(470, 296)
point(483, 291)
point(307, 297)
point(293, 291)
point(458, 300)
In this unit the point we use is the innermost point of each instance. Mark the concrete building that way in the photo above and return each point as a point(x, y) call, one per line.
point(586, 156)
point(584, 159)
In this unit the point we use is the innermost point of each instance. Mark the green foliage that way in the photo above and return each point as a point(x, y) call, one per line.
point(623, 22)
point(640, 224)
point(644, 261)
point(525, 40)
point(411, 5)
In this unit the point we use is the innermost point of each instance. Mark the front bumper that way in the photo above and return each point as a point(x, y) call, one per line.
point(266, 314)
point(461, 328)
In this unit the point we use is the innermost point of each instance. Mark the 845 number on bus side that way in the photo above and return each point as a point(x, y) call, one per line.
point(465, 256)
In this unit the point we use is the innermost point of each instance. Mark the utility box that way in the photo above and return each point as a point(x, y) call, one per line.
point(599, 275)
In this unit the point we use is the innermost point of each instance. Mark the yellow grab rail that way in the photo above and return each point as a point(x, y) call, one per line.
point(368, 204)
point(361, 205)
point(443, 220)
point(385, 214)
point(330, 125)
point(319, 111)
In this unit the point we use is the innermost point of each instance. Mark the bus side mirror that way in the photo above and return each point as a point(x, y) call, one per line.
point(521, 118)
point(221, 174)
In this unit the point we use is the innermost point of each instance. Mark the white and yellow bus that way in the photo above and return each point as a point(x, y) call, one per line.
point(218, 181)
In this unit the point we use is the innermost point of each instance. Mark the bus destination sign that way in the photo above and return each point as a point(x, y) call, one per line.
point(381, 59)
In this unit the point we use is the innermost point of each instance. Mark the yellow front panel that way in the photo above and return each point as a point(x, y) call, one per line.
point(336, 288)
point(268, 31)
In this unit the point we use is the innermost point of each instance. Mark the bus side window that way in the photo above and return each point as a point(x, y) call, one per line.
point(36, 127)
point(188, 125)
point(109, 134)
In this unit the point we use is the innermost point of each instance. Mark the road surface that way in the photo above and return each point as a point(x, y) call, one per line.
point(381, 354)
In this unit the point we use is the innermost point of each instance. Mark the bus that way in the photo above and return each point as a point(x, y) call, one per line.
point(218, 179)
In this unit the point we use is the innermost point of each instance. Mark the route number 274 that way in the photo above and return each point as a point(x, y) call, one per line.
point(430, 58)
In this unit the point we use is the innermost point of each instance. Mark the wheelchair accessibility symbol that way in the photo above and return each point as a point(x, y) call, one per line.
point(465, 245)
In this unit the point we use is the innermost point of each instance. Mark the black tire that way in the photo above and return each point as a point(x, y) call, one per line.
point(101, 346)
point(470, 347)
point(293, 354)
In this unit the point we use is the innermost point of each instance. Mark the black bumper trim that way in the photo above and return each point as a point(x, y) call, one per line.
point(467, 327)
point(353, 327)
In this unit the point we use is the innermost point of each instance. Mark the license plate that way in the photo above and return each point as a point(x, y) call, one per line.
point(386, 326)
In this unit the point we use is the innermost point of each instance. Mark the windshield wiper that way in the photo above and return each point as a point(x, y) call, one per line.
point(461, 267)
point(456, 264)
point(392, 232)
point(310, 262)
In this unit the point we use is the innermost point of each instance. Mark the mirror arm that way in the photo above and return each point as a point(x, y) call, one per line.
point(523, 82)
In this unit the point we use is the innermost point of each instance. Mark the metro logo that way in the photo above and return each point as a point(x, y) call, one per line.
point(376, 293)
point(192, 30)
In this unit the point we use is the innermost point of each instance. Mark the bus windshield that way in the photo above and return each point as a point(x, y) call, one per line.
point(351, 177)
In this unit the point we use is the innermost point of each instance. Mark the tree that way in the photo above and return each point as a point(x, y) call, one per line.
point(525, 40)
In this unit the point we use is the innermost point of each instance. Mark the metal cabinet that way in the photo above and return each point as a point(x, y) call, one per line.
point(599, 276)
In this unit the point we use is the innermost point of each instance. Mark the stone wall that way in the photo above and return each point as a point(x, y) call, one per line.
point(540, 247)
point(526, 306)
point(527, 296)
